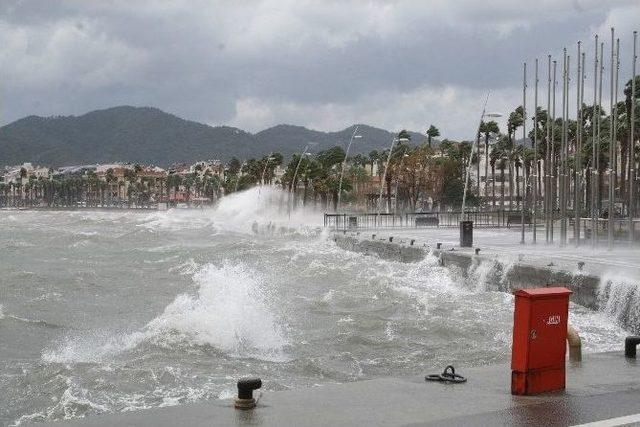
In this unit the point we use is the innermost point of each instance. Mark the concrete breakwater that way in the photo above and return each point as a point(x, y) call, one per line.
point(586, 287)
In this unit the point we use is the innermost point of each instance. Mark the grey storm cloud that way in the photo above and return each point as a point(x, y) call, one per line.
point(322, 64)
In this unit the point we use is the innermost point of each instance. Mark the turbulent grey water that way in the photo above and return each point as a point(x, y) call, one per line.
point(119, 311)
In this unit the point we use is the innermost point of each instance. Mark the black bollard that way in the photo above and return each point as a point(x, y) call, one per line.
point(391, 239)
point(630, 344)
point(477, 251)
point(438, 245)
point(412, 242)
point(245, 398)
point(466, 234)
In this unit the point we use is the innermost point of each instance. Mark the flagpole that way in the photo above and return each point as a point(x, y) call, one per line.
point(563, 172)
point(611, 148)
point(632, 141)
point(524, 137)
point(554, 174)
point(577, 157)
point(547, 162)
point(594, 143)
point(535, 154)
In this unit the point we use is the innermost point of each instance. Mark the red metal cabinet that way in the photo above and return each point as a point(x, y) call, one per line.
point(539, 340)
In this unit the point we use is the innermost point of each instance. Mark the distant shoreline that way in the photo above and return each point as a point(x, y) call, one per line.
point(96, 208)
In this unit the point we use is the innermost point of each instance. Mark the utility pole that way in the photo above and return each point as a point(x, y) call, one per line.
point(524, 137)
point(535, 154)
point(632, 141)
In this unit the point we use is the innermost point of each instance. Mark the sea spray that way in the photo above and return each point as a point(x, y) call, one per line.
point(258, 210)
point(264, 206)
point(230, 312)
point(619, 297)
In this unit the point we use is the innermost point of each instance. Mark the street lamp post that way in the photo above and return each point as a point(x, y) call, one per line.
point(295, 175)
point(397, 182)
point(384, 175)
point(466, 181)
point(354, 135)
point(264, 170)
point(235, 189)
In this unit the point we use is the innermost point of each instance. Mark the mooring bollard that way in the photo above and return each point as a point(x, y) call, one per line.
point(630, 344)
point(477, 251)
point(373, 237)
point(575, 344)
point(580, 265)
point(391, 239)
point(245, 398)
point(438, 245)
point(412, 242)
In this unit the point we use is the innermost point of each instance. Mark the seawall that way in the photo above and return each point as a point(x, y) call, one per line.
point(512, 276)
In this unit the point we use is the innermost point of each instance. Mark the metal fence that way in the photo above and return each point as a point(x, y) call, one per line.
point(492, 219)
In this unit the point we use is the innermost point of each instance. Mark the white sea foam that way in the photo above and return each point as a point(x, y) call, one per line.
point(74, 402)
point(262, 210)
point(231, 312)
point(619, 297)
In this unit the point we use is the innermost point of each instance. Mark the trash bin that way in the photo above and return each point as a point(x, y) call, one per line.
point(353, 222)
point(539, 340)
point(466, 234)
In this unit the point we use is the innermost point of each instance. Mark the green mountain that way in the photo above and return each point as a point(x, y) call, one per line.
point(149, 135)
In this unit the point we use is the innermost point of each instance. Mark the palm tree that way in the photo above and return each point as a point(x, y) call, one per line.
point(514, 122)
point(515, 159)
point(529, 162)
point(494, 158)
point(487, 128)
point(432, 132)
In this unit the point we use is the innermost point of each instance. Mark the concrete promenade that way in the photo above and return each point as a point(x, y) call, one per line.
point(601, 386)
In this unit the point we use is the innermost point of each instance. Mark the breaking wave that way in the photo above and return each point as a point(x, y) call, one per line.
point(259, 209)
point(231, 312)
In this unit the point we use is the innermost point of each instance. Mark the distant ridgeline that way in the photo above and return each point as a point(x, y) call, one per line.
point(150, 136)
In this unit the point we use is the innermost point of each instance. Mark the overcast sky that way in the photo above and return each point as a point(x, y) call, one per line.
point(322, 64)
